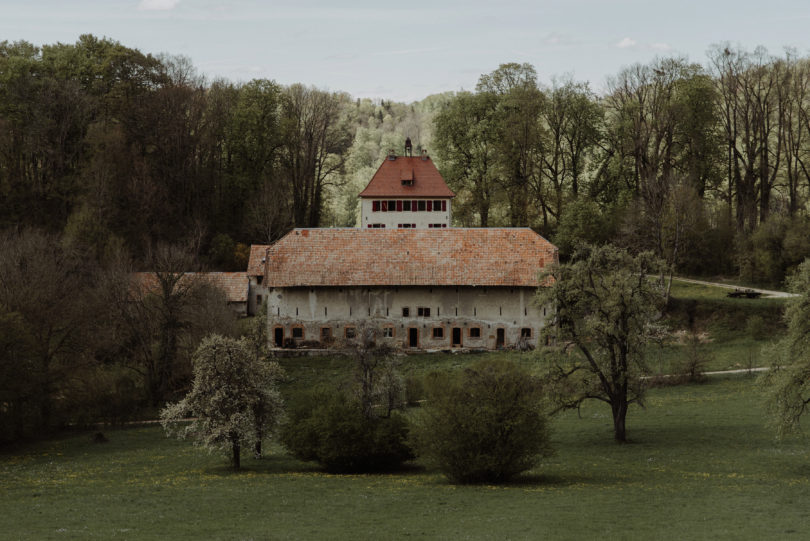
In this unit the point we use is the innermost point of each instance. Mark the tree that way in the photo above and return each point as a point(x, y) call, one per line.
point(376, 377)
point(466, 143)
point(605, 304)
point(313, 150)
point(519, 132)
point(573, 119)
point(483, 424)
point(157, 319)
point(229, 388)
point(47, 322)
point(344, 429)
point(787, 383)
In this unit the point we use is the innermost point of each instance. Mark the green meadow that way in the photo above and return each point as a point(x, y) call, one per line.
point(702, 464)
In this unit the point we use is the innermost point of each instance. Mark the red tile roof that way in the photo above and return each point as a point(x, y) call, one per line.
point(387, 181)
point(408, 257)
point(234, 284)
point(256, 262)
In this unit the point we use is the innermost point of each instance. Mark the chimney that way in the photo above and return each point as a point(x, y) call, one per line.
point(408, 147)
point(424, 155)
point(392, 155)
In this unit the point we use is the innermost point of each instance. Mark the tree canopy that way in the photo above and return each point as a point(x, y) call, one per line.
point(787, 383)
point(232, 400)
point(605, 302)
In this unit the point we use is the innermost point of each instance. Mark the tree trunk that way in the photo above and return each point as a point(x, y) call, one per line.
point(257, 449)
point(235, 448)
point(619, 415)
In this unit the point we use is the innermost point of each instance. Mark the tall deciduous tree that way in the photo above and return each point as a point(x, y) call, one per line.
point(573, 119)
point(466, 140)
point(605, 305)
point(315, 143)
point(787, 383)
point(233, 398)
point(157, 320)
point(520, 132)
point(46, 325)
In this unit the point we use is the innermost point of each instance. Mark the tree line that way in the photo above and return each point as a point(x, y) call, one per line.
point(115, 148)
point(706, 166)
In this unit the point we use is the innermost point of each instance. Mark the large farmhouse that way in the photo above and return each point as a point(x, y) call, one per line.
point(404, 271)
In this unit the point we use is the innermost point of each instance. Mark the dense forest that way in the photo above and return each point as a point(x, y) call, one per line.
point(112, 160)
point(115, 149)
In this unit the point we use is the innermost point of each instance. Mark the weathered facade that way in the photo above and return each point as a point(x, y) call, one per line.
point(423, 289)
point(410, 317)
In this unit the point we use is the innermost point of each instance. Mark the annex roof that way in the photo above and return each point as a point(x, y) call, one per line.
point(234, 284)
point(423, 179)
point(408, 257)
point(256, 261)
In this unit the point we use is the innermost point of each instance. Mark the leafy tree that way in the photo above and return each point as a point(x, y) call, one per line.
point(466, 142)
point(485, 423)
point(605, 304)
point(520, 132)
point(573, 118)
point(787, 383)
point(230, 387)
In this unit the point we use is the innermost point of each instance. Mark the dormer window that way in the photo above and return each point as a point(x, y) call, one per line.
point(407, 182)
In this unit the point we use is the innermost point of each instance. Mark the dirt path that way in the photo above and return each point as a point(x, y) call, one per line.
point(766, 293)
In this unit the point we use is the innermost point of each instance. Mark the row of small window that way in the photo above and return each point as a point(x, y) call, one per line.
point(406, 226)
point(389, 332)
point(416, 205)
point(425, 311)
point(421, 311)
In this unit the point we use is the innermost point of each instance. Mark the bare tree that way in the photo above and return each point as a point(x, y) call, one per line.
point(46, 313)
point(314, 148)
point(157, 318)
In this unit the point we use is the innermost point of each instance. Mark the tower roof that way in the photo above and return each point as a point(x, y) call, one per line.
point(406, 176)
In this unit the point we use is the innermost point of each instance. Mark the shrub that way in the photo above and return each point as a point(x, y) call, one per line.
point(414, 391)
point(756, 328)
point(695, 360)
point(330, 428)
point(483, 424)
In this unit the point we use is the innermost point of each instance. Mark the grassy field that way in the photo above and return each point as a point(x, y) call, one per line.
point(702, 465)
point(725, 326)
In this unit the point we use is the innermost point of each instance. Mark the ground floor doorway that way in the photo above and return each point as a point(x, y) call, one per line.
point(456, 337)
point(413, 337)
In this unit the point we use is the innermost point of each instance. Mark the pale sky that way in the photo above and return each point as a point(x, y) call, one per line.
point(406, 51)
